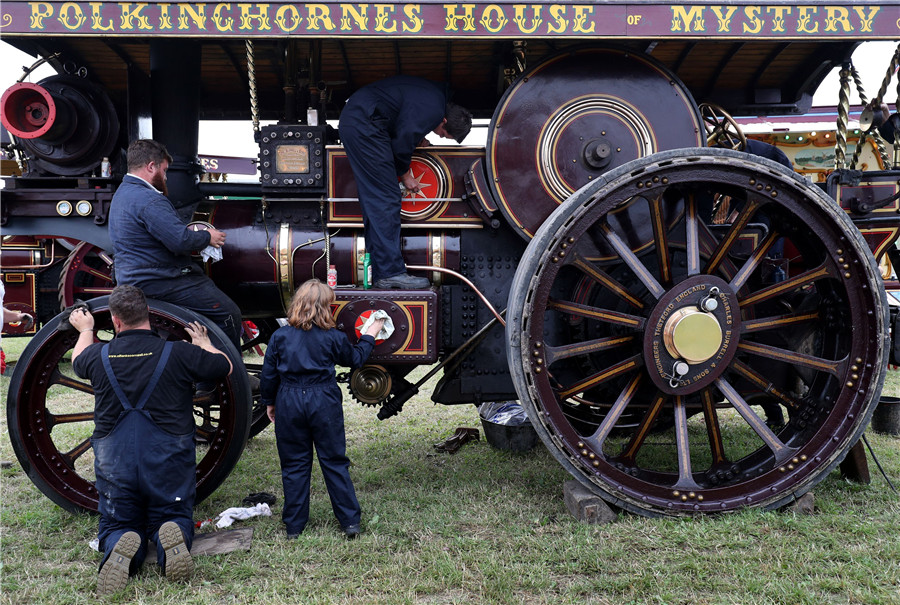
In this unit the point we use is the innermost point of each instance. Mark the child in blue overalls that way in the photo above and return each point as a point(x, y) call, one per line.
point(303, 399)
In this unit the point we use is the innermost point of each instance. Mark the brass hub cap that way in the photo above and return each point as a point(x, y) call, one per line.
point(692, 334)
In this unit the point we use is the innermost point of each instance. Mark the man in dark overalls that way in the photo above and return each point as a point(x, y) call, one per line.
point(380, 127)
point(153, 244)
point(143, 440)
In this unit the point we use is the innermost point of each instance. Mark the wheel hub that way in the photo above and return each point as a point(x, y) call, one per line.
point(692, 334)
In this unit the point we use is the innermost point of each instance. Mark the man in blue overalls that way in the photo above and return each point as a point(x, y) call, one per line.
point(380, 127)
point(143, 440)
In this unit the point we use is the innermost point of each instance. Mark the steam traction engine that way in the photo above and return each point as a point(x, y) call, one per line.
point(644, 296)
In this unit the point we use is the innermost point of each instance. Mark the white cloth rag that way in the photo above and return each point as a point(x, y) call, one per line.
point(386, 330)
point(211, 253)
point(230, 515)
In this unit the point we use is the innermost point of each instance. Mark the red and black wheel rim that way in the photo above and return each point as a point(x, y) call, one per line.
point(50, 410)
point(641, 366)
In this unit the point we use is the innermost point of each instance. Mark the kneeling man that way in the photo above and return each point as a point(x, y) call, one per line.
point(143, 440)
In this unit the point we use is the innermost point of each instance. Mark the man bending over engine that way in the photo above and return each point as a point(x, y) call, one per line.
point(380, 127)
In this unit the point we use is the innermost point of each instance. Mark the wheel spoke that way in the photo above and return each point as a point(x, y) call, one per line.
point(713, 430)
point(76, 452)
point(750, 207)
point(104, 275)
point(658, 221)
point(615, 412)
point(54, 419)
point(754, 261)
point(631, 261)
point(554, 354)
point(683, 447)
point(765, 385)
point(604, 279)
point(67, 381)
point(708, 244)
point(614, 371)
point(613, 317)
point(94, 291)
point(833, 367)
point(781, 451)
point(640, 434)
point(691, 234)
point(778, 322)
point(788, 285)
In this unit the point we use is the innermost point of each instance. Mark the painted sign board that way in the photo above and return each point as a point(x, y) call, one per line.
point(607, 20)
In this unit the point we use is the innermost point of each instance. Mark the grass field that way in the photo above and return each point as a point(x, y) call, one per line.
point(480, 526)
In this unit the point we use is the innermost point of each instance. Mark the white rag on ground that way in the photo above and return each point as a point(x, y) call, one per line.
point(386, 330)
point(230, 515)
point(211, 253)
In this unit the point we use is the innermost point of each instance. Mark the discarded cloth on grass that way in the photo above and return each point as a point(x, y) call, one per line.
point(386, 330)
point(506, 413)
point(238, 513)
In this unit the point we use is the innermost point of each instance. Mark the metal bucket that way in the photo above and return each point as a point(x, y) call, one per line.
point(886, 418)
point(511, 438)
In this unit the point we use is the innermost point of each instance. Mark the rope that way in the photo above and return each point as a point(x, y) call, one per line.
point(251, 76)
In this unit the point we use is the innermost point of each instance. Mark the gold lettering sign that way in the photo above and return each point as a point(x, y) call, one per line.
point(292, 158)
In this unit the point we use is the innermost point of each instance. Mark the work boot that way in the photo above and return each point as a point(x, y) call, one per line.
point(114, 574)
point(404, 281)
point(351, 531)
point(179, 564)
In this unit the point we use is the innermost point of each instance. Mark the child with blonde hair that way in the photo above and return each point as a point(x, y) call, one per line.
point(302, 398)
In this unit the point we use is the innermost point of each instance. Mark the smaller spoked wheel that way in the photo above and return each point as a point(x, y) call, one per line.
point(86, 273)
point(650, 368)
point(722, 130)
point(50, 411)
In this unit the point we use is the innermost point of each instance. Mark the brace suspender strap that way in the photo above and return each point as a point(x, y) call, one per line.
point(157, 374)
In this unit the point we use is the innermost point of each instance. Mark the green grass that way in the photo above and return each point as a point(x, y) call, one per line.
point(481, 526)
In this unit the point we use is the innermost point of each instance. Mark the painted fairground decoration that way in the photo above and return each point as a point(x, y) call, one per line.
point(812, 153)
point(608, 20)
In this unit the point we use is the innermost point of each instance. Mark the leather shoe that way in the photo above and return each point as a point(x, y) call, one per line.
point(351, 531)
point(403, 281)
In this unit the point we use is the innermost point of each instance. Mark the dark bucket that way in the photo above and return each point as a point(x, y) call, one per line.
point(510, 438)
point(886, 418)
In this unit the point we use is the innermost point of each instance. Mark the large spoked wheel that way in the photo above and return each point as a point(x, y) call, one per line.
point(640, 365)
point(50, 410)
